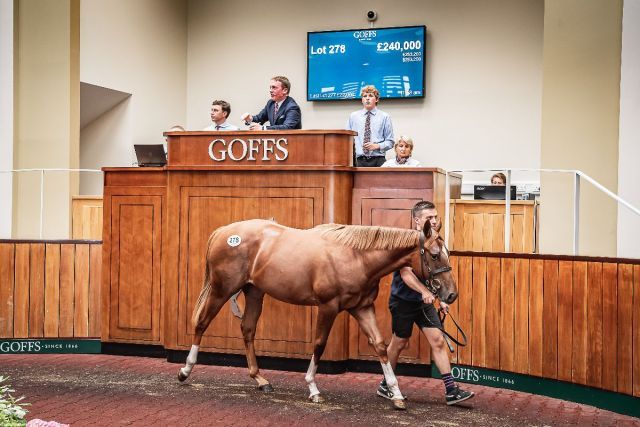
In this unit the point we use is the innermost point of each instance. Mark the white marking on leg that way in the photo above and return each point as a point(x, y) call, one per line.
point(191, 360)
point(392, 381)
point(310, 378)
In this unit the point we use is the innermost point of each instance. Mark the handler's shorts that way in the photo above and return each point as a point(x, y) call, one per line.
point(405, 313)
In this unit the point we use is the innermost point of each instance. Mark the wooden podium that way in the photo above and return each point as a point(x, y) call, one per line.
point(157, 222)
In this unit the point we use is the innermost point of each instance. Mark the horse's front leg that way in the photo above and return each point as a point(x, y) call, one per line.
point(366, 317)
point(254, 298)
point(326, 315)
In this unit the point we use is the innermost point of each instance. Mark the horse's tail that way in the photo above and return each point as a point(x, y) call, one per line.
point(206, 287)
point(204, 294)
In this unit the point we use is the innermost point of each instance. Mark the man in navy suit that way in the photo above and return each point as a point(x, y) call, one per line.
point(281, 111)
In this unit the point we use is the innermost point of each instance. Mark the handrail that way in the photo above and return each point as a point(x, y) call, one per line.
point(42, 171)
point(507, 223)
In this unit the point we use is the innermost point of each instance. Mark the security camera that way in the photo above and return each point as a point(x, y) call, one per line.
point(372, 15)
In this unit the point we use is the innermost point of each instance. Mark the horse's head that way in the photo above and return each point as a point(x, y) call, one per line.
point(435, 266)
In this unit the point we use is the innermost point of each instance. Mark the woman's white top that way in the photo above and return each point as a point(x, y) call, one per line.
point(391, 163)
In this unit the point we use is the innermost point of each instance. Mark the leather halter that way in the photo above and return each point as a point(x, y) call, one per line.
point(430, 281)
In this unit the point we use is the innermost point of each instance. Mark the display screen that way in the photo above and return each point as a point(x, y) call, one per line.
point(341, 63)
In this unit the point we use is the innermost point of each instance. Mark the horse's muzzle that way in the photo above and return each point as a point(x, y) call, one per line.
point(451, 297)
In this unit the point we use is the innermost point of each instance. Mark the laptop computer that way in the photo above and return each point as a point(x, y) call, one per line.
point(492, 192)
point(150, 155)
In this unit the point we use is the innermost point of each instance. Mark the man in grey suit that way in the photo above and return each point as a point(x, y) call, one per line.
point(281, 111)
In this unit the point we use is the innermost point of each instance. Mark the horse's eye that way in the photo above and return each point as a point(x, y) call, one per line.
point(435, 257)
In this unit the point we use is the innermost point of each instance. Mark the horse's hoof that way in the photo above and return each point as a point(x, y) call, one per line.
point(399, 404)
point(266, 388)
point(316, 398)
point(182, 377)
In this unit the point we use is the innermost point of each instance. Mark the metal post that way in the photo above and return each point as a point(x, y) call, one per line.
point(447, 202)
point(507, 213)
point(41, 200)
point(576, 213)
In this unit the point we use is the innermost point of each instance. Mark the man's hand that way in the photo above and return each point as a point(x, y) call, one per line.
point(444, 306)
point(370, 146)
point(428, 298)
point(247, 118)
point(255, 126)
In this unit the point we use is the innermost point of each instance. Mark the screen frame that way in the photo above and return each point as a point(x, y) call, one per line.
point(424, 62)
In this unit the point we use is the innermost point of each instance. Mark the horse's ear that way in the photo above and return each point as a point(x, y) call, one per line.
point(426, 229)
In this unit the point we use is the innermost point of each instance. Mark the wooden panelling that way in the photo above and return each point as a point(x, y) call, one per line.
point(81, 292)
point(575, 321)
point(50, 291)
point(67, 285)
point(521, 322)
point(579, 336)
point(636, 331)
point(21, 292)
point(609, 325)
point(135, 274)
point(36, 290)
point(7, 289)
point(464, 303)
point(565, 318)
point(86, 217)
point(95, 277)
point(478, 225)
point(594, 324)
point(625, 353)
point(536, 285)
point(550, 320)
point(507, 317)
point(479, 314)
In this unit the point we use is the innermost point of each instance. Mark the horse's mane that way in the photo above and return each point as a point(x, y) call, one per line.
point(363, 237)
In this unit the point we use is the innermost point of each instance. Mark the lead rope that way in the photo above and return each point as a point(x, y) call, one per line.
point(447, 337)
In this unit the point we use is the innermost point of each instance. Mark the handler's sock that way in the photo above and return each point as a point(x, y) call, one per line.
point(449, 384)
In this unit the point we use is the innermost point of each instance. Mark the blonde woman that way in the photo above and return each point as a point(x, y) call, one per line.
point(403, 149)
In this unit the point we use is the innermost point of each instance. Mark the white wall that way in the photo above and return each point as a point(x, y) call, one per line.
point(106, 142)
point(138, 47)
point(629, 145)
point(484, 71)
point(6, 116)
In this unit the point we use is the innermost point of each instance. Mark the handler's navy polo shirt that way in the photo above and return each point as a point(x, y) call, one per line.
point(400, 290)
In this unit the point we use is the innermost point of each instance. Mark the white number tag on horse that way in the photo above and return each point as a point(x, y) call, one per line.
point(234, 240)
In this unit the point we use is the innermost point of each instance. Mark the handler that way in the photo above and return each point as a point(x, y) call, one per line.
point(411, 302)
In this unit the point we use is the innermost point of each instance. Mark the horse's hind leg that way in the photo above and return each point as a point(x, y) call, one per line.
point(252, 311)
point(366, 317)
point(211, 305)
point(326, 315)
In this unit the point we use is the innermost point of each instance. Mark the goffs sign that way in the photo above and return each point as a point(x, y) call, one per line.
point(251, 149)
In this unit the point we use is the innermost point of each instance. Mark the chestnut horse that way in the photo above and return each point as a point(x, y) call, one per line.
point(335, 267)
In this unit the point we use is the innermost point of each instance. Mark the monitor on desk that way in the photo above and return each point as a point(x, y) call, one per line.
point(492, 192)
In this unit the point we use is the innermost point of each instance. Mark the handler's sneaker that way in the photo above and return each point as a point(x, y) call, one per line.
point(383, 390)
point(457, 395)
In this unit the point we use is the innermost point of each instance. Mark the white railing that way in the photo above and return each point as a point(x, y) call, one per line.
point(577, 174)
point(42, 172)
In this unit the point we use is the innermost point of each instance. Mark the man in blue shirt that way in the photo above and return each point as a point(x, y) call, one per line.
point(220, 111)
point(375, 131)
point(411, 302)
